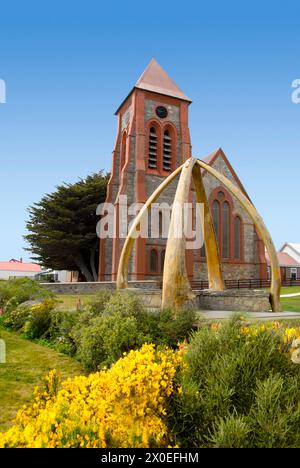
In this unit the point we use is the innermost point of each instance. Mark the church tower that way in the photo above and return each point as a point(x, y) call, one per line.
point(152, 140)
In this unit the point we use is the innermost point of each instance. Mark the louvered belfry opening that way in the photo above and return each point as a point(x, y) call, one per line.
point(152, 160)
point(167, 152)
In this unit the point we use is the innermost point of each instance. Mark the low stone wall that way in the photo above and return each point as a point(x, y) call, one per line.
point(231, 300)
point(93, 288)
point(234, 300)
point(241, 300)
point(150, 298)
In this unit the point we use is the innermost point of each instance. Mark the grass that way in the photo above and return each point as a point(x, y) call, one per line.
point(71, 301)
point(26, 365)
point(290, 290)
point(290, 304)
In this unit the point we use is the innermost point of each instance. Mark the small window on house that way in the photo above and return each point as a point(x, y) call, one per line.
point(162, 260)
point(237, 238)
point(153, 260)
point(167, 152)
point(294, 274)
point(152, 157)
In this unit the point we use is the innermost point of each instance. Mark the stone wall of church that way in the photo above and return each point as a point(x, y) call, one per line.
point(232, 271)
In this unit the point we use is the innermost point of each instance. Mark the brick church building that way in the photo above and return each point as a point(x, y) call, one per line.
point(153, 139)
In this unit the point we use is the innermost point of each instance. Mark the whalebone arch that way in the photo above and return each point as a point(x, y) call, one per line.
point(176, 286)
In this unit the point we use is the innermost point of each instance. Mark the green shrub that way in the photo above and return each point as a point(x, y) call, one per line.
point(119, 322)
point(275, 414)
point(105, 339)
point(39, 320)
point(98, 303)
point(166, 328)
point(125, 303)
point(113, 323)
point(222, 389)
point(231, 432)
point(16, 318)
point(16, 291)
point(59, 331)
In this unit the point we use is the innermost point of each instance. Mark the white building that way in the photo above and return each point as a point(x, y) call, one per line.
point(57, 276)
point(293, 250)
point(17, 269)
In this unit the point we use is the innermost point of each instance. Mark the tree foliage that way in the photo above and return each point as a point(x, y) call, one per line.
point(62, 226)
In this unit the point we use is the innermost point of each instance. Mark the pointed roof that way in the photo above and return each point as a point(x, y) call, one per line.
point(210, 159)
point(156, 80)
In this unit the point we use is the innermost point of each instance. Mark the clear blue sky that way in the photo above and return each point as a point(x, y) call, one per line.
point(68, 65)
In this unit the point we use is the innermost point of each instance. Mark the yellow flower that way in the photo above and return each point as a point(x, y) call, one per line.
point(124, 406)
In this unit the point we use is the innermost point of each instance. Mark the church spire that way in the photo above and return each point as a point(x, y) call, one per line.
point(156, 80)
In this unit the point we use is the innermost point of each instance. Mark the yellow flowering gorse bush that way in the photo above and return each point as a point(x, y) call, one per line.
point(124, 406)
point(290, 335)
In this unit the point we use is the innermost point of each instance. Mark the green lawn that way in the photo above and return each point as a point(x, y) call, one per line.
point(26, 365)
point(290, 290)
point(290, 304)
point(71, 301)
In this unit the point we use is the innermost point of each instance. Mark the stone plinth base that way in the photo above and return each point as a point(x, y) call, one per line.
point(240, 300)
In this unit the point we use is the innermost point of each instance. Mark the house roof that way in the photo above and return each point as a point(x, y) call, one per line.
point(293, 245)
point(19, 266)
point(285, 260)
point(156, 80)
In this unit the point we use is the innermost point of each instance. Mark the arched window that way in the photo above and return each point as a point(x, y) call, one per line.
point(153, 260)
point(152, 155)
point(160, 224)
point(221, 209)
point(167, 152)
point(216, 217)
point(162, 260)
point(225, 229)
point(237, 238)
point(203, 251)
point(123, 150)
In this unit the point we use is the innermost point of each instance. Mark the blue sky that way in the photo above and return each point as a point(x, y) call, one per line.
point(68, 65)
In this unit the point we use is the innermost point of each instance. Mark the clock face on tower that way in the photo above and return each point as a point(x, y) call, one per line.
point(161, 112)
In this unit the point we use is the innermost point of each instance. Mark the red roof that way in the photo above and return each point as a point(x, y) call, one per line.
point(155, 79)
point(285, 260)
point(19, 266)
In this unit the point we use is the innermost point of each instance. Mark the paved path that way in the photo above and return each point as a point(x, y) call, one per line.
point(221, 314)
point(291, 295)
